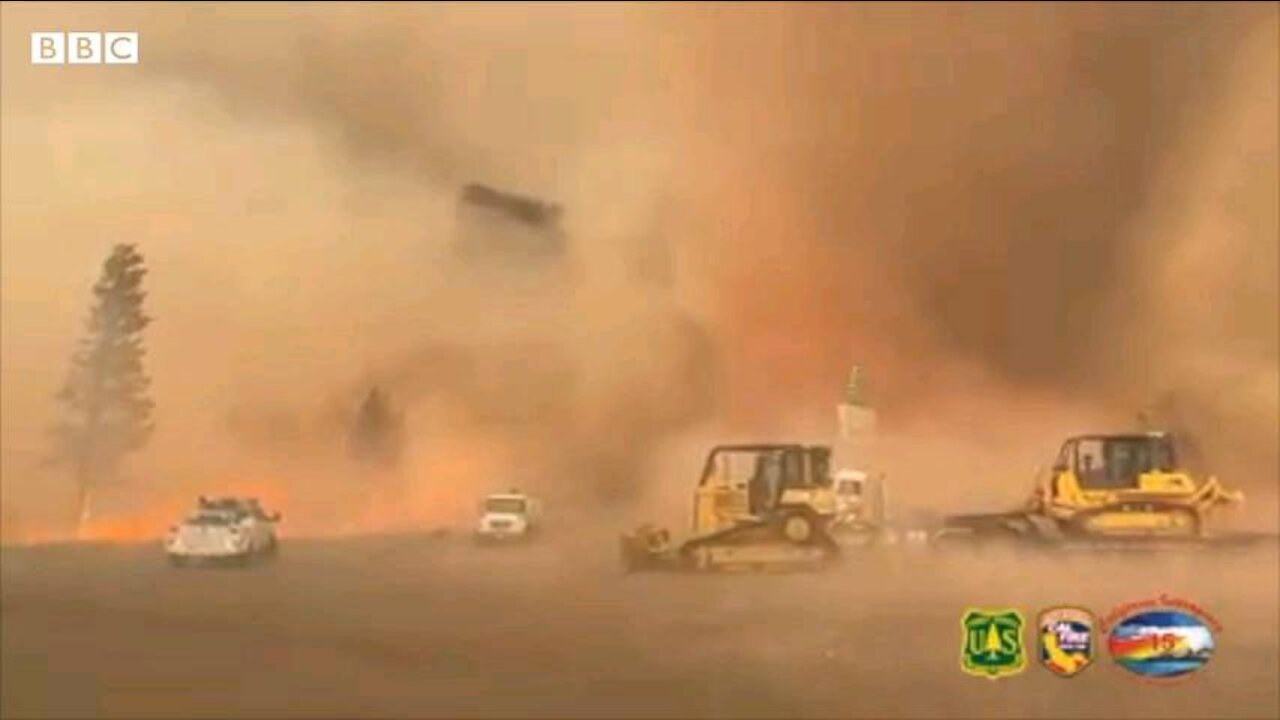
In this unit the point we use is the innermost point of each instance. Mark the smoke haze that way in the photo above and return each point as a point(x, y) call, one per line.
point(1025, 220)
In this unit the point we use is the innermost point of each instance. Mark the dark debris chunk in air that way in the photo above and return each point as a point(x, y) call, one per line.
point(527, 210)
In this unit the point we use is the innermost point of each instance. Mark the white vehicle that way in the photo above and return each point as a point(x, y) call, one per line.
point(511, 516)
point(862, 516)
point(233, 530)
point(860, 506)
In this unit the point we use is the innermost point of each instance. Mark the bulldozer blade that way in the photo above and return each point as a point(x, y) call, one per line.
point(1006, 524)
point(1233, 543)
point(1028, 531)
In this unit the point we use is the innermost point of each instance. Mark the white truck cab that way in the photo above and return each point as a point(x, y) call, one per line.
point(508, 516)
point(850, 487)
point(860, 504)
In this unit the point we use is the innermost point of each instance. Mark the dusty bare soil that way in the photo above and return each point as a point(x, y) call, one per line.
point(423, 627)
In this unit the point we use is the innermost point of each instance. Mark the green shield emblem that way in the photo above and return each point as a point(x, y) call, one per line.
point(992, 643)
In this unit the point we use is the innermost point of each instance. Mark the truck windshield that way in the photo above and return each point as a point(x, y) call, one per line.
point(210, 519)
point(848, 487)
point(514, 506)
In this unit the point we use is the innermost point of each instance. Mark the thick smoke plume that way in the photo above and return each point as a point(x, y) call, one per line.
point(988, 175)
point(1058, 212)
point(1025, 220)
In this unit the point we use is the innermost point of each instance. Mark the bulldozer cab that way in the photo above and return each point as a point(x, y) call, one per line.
point(746, 481)
point(1116, 464)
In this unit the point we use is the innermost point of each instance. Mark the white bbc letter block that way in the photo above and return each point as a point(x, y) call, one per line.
point(84, 48)
point(120, 48)
point(48, 48)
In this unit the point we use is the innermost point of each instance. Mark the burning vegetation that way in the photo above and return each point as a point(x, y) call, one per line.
point(1001, 214)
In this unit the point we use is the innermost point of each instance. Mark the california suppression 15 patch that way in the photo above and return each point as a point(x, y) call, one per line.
point(1162, 639)
point(992, 643)
point(1066, 639)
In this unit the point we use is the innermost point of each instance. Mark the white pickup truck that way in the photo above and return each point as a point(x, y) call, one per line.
point(507, 517)
point(232, 530)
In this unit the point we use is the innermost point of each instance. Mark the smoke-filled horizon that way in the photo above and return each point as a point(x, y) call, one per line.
point(1023, 219)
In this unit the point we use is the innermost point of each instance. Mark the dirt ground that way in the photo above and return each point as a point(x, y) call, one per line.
point(422, 627)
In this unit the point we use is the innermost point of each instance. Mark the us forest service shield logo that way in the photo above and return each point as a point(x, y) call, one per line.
point(1066, 640)
point(993, 643)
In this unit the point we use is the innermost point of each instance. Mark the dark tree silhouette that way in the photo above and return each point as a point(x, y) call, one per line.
point(378, 432)
point(107, 412)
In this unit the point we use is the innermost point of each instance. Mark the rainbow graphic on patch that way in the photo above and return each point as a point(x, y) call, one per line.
point(1161, 643)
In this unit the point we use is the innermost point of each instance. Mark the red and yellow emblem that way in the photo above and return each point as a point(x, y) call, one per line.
point(1066, 636)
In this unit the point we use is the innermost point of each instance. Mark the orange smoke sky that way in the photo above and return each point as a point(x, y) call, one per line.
point(1008, 212)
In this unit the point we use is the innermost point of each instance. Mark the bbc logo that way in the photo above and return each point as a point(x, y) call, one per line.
point(84, 48)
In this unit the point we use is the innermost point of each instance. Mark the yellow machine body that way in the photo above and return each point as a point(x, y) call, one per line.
point(757, 507)
point(1128, 486)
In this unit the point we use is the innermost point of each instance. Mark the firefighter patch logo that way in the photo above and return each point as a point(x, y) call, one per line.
point(1066, 640)
point(993, 643)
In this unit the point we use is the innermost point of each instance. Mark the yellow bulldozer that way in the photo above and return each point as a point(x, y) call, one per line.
point(756, 507)
point(1108, 489)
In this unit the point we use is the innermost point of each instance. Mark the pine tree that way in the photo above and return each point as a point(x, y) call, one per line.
point(993, 642)
point(107, 411)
